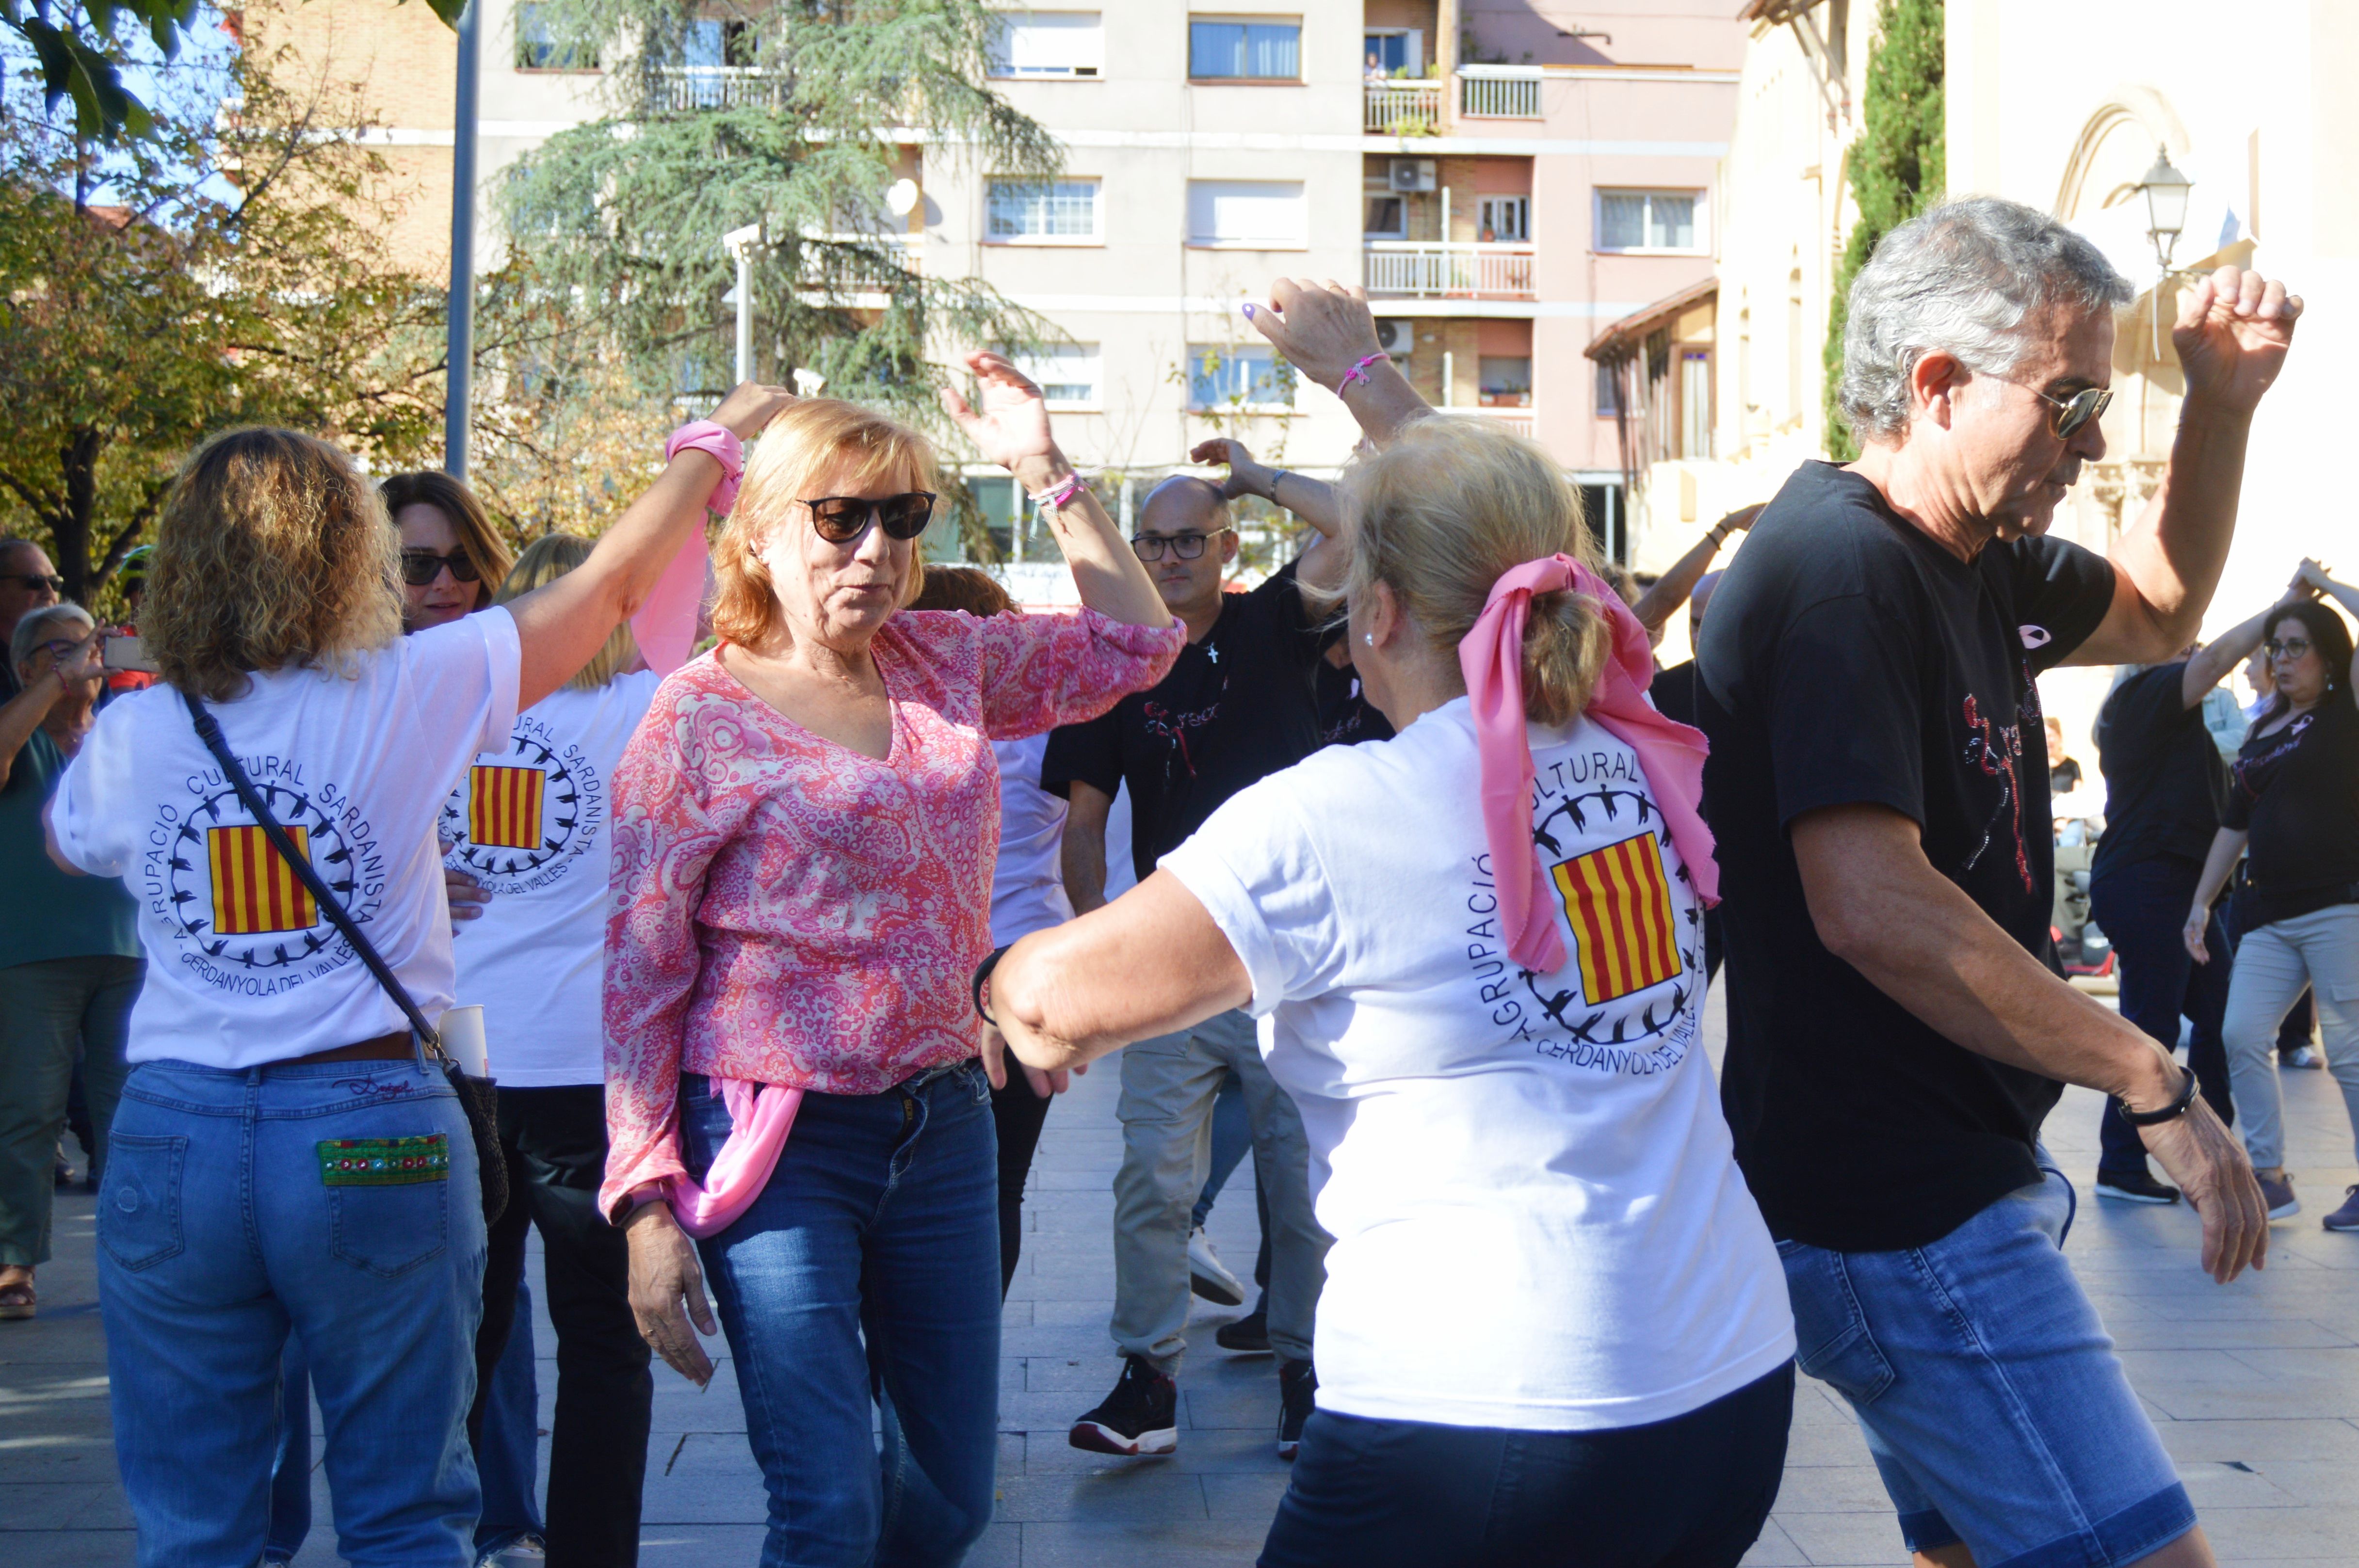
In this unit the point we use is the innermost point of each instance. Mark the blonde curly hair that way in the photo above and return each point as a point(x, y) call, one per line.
point(272, 553)
point(545, 560)
point(1443, 513)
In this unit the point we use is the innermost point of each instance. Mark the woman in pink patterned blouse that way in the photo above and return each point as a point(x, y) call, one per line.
point(804, 834)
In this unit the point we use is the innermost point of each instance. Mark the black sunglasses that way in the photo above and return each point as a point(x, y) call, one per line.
point(843, 519)
point(419, 568)
point(35, 581)
point(1184, 546)
point(2072, 413)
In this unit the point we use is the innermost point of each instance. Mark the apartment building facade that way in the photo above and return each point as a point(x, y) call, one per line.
point(1504, 180)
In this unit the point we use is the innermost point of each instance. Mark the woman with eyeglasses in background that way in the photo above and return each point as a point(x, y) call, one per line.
point(804, 832)
point(2293, 813)
point(451, 557)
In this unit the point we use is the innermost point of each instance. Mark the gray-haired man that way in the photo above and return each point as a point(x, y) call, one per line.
point(1878, 782)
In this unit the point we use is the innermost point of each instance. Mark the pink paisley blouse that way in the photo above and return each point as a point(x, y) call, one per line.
point(788, 910)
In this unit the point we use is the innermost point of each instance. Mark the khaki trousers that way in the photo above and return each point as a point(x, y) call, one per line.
point(2273, 964)
point(1168, 1085)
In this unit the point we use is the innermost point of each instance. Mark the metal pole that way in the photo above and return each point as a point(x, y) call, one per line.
point(744, 314)
point(460, 351)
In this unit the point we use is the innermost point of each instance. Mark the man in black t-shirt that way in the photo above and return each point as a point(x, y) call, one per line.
point(1879, 789)
point(1242, 702)
point(2166, 785)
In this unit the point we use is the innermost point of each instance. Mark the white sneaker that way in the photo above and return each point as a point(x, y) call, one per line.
point(1207, 1276)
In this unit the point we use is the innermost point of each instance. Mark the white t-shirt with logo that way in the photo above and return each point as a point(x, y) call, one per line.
point(530, 821)
point(1027, 885)
point(242, 967)
point(1539, 1221)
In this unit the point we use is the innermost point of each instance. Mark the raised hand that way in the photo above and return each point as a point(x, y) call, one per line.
point(1012, 425)
point(2232, 335)
point(750, 406)
point(1322, 328)
point(1247, 477)
point(2309, 580)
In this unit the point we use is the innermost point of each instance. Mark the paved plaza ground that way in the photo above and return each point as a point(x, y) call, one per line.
point(2255, 1385)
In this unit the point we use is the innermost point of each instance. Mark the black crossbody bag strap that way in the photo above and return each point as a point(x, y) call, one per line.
point(209, 732)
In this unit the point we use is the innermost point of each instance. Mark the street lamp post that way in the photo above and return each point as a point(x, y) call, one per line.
point(460, 352)
point(2164, 189)
point(740, 244)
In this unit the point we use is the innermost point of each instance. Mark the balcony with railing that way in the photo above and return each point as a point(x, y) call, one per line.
point(683, 89)
point(1428, 269)
point(1404, 106)
point(1499, 91)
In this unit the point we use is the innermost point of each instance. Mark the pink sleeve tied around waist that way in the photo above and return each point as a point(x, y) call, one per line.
point(760, 1116)
point(1670, 752)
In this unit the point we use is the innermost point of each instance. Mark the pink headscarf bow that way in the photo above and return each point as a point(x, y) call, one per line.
point(1671, 753)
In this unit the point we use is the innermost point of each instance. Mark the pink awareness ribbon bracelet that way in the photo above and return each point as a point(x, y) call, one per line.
point(1360, 371)
point(1057, 497)
point(720, 443)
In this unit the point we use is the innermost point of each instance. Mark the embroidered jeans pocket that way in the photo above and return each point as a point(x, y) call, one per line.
point(1836, 1346)
point(139, 1212)
point(389, 1201)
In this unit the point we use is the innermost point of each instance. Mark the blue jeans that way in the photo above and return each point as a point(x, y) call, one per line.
point(2141, 906)
point(1991, 1397)
point(227, 1219)
point(1232, 1141)
point(508, 1459)
point(879, 1225)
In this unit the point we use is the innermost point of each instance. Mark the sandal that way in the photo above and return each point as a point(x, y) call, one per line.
point(17, 1299)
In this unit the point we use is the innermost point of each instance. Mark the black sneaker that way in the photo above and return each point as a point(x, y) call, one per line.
point(2134, 1186)
point(1140, 1417)
point(2347, 1217)
point(1298, 1391)
point(1248, 1334)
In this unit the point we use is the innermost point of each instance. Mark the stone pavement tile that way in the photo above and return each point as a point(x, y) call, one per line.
point(48, 1505)
point(1202, 1450)
point(1246, 1498)
point(680, 1405)
point(1148, 1491)
point(2222, 1333)
point(709, 1478)
point(2315, 1481)
point(2327, 1532)
point(1205, 1543)
point(1069, 1374)
point(2262, 1443)
point(2211, 1485)
point(1775, 1549)
point(68, 1549)
point(1832, 1489)
point(1844, 1541)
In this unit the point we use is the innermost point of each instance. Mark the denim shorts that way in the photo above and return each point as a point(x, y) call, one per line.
point(1992, 1402)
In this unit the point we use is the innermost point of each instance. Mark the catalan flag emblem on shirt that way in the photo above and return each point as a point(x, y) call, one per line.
point(254, 890)
point(503, 807)
point(1619, 900)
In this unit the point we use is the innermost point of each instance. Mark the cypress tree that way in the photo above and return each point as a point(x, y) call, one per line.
point(1896, 166)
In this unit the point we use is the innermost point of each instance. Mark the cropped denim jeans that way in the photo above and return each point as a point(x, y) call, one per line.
point(865, 1276)
point(337, 1202)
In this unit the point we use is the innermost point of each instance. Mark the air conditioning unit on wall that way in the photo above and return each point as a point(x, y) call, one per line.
point(1396, 334)
point(1411, 175)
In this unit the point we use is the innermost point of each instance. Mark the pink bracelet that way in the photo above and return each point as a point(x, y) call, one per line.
point(1061, 494)
point(1360, 372)
point(720, 443)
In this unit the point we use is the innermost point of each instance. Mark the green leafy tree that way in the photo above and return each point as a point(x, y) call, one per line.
point(1895, 169)
point(795, 119)
point(79, 48)
point(147, 300)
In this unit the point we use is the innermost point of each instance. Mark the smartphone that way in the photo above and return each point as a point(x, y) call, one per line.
point(125, 651)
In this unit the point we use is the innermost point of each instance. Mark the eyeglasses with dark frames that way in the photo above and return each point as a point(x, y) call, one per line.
point(420, 568)
point(1183, 546)
point(2291, 648)
point(843, 519)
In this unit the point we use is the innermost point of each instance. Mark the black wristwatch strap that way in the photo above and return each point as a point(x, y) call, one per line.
point(981, 977)
point(2178, 1107)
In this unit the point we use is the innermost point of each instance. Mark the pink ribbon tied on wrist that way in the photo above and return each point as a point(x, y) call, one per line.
point(666, 623)
point(1671, 753)
point(720, 443)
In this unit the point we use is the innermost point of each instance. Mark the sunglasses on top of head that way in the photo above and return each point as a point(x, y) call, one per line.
point(419, 568)
point(843, 519)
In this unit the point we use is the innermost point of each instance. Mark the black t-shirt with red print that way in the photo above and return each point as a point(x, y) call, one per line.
point(1849, 659)
point(2296, 790)
point(1238, 705)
